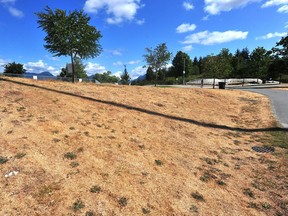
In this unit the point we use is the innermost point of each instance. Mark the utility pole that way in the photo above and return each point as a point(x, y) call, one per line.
point(184, 72)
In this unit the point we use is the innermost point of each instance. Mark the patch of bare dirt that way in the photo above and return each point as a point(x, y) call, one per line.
point(124, 150)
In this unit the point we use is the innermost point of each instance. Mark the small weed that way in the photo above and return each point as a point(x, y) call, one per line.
point(70, 155)
point(77, 205)
point(90, 213)
point(248, 192)
point(207, 176)
point(253, 205)
point(3, 160)
point(198, 196)
point(159, 162)
point(266, 206)
point(193, 208)
point(220, 182)
point(86, 133)
point(55, 132)
point(123, 201)
point(95, 189)
point(20, 155)
point(72, 128)
point(210, 161)
point(19, 109)
point(145, 211)
point(74, 164)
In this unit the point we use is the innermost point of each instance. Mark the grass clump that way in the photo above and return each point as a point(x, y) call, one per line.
point(20, 155)
point(95, 189)
point(198, 196)
point(123, 201)
point(158, 162)
point(248, 192)
point(74, 164)
point(70, 155)
point(77, 205)
point(3, 160)
point(146, 211)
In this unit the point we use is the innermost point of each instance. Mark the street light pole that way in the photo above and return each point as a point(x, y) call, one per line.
point(184, 72)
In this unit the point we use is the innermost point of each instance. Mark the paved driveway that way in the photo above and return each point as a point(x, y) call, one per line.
point(279, 100)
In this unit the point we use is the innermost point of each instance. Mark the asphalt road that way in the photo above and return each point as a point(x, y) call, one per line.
point(279, 101)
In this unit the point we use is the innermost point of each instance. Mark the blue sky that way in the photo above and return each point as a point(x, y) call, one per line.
point(197, 27)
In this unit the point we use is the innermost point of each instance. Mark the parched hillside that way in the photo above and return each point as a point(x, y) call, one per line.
point(86, 149)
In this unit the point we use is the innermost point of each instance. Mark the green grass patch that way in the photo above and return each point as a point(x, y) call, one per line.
point(3, 160)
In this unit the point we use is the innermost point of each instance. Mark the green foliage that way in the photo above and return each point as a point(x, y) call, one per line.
point(157, 58)
point(281, 48)
point(69, 34)
point(260, 60)
point(150, 75)
point(125, 78)
point(197, 196)
point(77, 205)
point(70, 155)
point(178, 64)
point(106, 77)
point(95, 189)
point(14, 68)
point(123, 201)
point(79, 68)
point(3, 160)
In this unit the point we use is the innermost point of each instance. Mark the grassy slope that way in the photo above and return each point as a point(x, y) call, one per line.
point(145, 162)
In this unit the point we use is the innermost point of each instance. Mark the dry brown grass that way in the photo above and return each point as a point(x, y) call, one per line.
point(151, 156)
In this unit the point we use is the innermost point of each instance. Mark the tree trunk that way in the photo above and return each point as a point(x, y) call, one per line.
point(73, 69)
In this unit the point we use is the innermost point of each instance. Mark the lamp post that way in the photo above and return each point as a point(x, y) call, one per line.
point(184, 72)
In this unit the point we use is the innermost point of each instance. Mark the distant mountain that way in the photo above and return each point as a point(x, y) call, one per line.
point(42, 75)
point(140, 78)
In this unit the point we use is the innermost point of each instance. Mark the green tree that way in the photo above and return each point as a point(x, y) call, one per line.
point(281, 48)
point(125, 78)
point(259, 64)
point(80, 68)
point(157, 58)
point(178, 64)
point(241, 63)
point(150, 74)
point(14, 68)
point(69, 34)
point(106, 77)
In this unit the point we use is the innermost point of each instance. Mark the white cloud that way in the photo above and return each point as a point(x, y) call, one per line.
point(286, 25)
point(134, 62)
point(185, 27)
point(187, 48)
point(216, 6)
point(93, 68)
point(274, 3)
point(118, 63)
point(115, 52)
point(118, 10)
point(140, 22)
point(15, 12)
point(40, 66)
point(136, 72)
point(118, 74)
point(283, 9)
point(188, 6)
point(9, 5)
point(283, 5)
point(210, 38)
point(271, 35)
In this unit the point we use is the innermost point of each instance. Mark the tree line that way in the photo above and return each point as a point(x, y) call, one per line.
point(260, 63)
